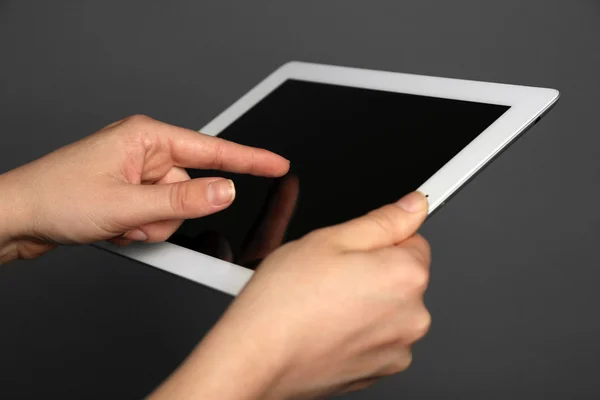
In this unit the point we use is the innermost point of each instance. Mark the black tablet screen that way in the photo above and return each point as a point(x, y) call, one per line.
point(351, 150)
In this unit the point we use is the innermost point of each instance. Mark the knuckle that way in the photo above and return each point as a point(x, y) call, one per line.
point(392, 266)
point(362, 385)
point(138, 119)
point(217, 151)
point(179, 198)
point(158, 235)
point(406, 273)
point(384, 220)
point(251, 167)
point(401, 363)
point(405, 362)
point(419, 279)
point(421, 325)
point(323, 237)
point(134, 130)
point(415, 328)
point(424, 247)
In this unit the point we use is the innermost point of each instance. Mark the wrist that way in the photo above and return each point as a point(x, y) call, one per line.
point(229, 364)
point(13, 214)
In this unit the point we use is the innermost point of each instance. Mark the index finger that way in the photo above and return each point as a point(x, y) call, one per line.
point(418, 247)
point(191, 149)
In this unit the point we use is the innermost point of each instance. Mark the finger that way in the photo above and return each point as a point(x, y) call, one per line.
point(191, 149)
point(419, 248)
point(402, 358)
point(175, 174)
point(383, 227)
point(360, 385)
point(161, 230)
point(114, 124)
point(271, 227)
point(417, 325)
point(403, 274)
point(389, 360)
point(176, 201)
point(154, 232)
point(120, 241)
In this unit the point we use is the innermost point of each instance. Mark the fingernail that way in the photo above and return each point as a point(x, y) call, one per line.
point(136, 235)
point(413, 202)
point(220, 192)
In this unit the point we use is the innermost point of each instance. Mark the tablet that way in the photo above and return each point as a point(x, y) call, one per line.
point(356, 140)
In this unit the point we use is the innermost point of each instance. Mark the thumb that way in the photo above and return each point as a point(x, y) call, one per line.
point(180, 200)
point(386, 226)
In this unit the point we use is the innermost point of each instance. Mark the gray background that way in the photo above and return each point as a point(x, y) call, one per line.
point(515, 275)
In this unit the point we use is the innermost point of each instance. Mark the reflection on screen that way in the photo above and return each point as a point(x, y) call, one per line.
point(351, 150)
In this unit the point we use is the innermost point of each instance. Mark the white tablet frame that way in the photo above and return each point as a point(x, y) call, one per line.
point(527, 106)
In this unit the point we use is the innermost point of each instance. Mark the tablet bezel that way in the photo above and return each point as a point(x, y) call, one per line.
point(527, 105)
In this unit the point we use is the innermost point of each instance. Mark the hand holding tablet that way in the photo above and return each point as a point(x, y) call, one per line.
point(337, 302)
point(329, 313)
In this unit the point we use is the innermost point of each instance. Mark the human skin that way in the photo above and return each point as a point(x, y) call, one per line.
point(329, 313)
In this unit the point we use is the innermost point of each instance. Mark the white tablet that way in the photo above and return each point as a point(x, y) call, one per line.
point(357, 139)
